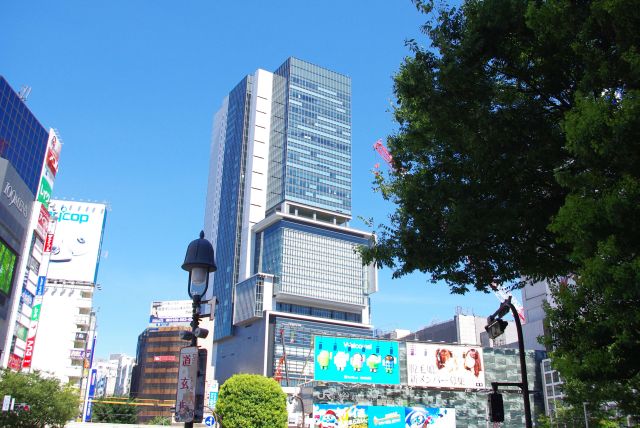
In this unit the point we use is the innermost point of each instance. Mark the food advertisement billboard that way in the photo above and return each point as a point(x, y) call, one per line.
point(356, 416)
point(170, 313)
point(340, 359)
point(445, 366)
point(77, 241)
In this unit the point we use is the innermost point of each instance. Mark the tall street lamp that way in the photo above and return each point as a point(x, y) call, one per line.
point(199, 261)
point(495, 327)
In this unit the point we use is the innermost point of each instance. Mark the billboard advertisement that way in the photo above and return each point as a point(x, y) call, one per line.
point(445, 366)
point(340, 359)
point(355, 416)
point(7, 267)
point(170, 313)
point(76, 245)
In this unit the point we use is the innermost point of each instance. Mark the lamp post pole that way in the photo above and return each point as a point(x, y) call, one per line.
point(496, 328)
point(523, 365)
point(199, 262)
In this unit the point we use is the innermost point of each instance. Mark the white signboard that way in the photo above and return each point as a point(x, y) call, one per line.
point(77, 240)
point(445, 366)
point(6, 402)
point(187, 377)
point(170, 313)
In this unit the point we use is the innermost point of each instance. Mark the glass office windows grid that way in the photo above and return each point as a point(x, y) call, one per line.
point(321, 267)
point(23, 140)
point(319, 312)
point(277, 140)
point(297, 336)
point(271, 257)
point(228, 240)
point(552, 387)
point(249, 299)
point(318, 153)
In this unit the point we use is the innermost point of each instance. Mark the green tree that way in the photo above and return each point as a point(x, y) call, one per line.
point(252, 401)
point(518, 156)
point(125, 413)
point(160, 420)
point(50, 403)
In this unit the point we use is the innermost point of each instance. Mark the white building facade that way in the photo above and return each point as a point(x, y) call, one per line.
point(66, 333)
point(277, 213)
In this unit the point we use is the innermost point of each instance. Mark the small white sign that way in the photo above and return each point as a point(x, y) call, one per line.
point(6, 402)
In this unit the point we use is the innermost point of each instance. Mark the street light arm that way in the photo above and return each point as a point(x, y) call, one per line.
point(523, 364)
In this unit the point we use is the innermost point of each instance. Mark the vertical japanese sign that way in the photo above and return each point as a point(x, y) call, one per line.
point(90, 394)
point(45, 226)
point(186, 391)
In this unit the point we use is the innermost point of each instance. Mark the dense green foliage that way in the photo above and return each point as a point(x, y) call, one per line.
point(114, 413)
point(160, 420)
point(252, 401)
point(518, 156)
point(50, 403)
point(569, 417)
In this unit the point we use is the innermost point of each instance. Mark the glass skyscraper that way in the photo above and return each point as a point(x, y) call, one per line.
point(277, 212)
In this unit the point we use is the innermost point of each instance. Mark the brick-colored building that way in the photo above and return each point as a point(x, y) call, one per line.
point(155, 375)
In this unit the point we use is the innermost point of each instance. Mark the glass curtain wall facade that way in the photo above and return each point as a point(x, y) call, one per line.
point(230, 206)
point(314, 263)
point(315, 112)
point(23, 140)
point(281, 208)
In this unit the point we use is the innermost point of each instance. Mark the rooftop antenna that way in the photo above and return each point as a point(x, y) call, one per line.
point(24, 93)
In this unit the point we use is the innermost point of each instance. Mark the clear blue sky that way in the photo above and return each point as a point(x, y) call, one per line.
point(132, 87)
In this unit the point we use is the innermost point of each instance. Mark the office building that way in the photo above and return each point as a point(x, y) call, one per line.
point(155, 376)
point(277, 213)
point(106, 376)
point(534, 297)
point(126, 364)
point(28, 165)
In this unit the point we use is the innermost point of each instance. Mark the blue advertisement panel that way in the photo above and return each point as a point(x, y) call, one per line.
point(354, 416)
point(340, 359)
point(42, 280)
point(92, 383)
point(88, 414)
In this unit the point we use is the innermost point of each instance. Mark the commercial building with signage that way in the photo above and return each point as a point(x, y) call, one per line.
point(277, 213)
point(24, 147)
point(410, 383)
point(155, 375)
point(66, 330)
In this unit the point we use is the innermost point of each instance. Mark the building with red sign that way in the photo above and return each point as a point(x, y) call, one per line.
point(27, 176)
point(155, 377)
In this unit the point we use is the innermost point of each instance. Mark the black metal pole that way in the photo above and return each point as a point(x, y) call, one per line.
point(195, 321)
point(523, 366)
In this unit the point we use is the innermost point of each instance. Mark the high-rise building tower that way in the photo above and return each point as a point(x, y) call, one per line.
point(277, 212)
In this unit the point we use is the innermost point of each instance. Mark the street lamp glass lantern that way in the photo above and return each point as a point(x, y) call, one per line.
point(198, 281)
point(199, 262)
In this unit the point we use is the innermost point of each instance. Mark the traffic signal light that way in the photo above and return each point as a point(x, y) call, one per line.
point(496, 407)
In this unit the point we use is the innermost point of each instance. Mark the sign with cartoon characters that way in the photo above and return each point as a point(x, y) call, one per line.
point(355, 416)
point(445, 366)
point(340, 359)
